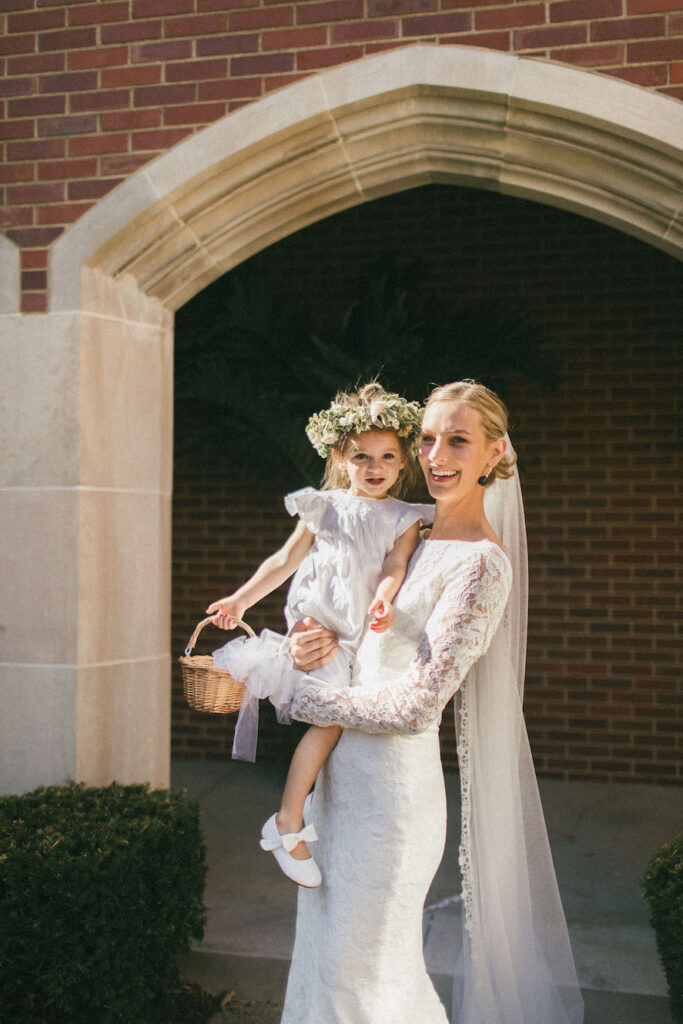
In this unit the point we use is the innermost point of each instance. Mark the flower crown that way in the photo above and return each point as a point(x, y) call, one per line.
point(326, 429)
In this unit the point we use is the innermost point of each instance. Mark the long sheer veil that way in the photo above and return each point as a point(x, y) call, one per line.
point(514, 963)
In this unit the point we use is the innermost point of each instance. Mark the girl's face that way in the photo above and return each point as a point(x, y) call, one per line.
point(373, 461)
point(454, 451)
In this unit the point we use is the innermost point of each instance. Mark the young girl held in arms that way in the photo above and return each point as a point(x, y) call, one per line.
point(350, 551)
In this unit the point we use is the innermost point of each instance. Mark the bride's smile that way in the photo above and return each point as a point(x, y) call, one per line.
point(455, 452)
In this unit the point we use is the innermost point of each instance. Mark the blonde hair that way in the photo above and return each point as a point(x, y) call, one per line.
point(494, 417)
point(335, 475)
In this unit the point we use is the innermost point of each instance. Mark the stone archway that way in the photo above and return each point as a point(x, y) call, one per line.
point(580, 141)
point(94, 496)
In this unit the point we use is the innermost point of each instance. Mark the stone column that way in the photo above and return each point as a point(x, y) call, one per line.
point(85, 518)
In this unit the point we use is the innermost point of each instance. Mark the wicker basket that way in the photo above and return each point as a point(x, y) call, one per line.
point(208, 688)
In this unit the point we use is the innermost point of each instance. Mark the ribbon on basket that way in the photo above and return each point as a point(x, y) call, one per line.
point(207, 687)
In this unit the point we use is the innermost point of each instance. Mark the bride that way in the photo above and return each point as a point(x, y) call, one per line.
point(379, 804)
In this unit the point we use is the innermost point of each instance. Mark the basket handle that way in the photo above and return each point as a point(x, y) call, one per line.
point(193, 639)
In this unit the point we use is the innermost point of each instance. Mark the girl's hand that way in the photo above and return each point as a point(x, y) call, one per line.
point(311, 645)
point(226, 611)
point(383, 615)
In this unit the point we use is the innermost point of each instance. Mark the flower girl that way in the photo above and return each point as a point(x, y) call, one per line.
point(349, 553)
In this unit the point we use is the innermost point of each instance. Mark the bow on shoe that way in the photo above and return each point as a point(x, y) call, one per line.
point(291, 839)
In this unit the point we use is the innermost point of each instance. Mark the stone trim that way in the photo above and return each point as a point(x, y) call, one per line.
point(584, 142)
point(10, 277)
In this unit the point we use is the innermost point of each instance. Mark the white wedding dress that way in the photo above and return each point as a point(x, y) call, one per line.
point(379, 803)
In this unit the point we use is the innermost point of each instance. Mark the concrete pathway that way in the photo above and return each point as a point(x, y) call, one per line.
point(602, 837)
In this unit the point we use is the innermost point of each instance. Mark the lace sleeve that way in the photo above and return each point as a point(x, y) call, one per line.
point(458, 632)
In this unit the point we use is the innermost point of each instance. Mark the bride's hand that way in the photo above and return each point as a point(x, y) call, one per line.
point(311, 645)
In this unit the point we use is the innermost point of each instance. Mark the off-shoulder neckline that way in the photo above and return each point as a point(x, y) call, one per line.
point(458, 540)
point(468, 543)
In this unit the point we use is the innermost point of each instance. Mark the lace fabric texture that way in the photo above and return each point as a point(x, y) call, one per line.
point(459, 628)
point(379, 802)
point(462, 587)
point(379, 808)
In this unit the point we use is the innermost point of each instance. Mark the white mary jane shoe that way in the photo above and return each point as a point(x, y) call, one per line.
point(303, 872)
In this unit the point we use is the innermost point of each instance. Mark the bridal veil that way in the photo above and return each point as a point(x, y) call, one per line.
point(514, 963)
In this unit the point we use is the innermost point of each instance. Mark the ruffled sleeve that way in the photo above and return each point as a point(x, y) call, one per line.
point(413, 513)
point(457, 633)
point(310, 505)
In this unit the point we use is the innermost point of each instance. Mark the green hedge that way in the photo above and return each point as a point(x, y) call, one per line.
point(663, 886)
point(100, 889)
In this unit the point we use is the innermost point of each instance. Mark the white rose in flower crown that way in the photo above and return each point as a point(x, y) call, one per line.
point(326, 428)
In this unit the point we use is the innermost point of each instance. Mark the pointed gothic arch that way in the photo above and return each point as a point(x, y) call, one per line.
point(97, 489)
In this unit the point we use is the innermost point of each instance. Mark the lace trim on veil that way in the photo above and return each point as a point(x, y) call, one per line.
point(465, 851)
point(513, 961)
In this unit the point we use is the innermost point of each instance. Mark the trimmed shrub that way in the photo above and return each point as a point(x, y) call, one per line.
point(100, 890)
point(663, 886)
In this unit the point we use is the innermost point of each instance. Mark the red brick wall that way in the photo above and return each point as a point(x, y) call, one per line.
point(601, 469)
point(89, 92)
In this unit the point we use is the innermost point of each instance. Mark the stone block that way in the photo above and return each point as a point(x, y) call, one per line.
point(124, 576)
point(39, 407)
point(39, 556)
point(37, 726)
point(124, 723)
point(126, 389)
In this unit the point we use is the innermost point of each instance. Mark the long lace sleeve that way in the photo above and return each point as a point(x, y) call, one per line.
point(457, 633)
